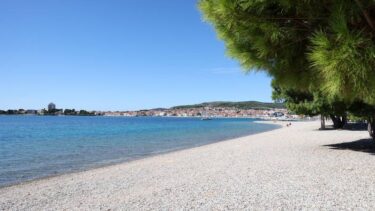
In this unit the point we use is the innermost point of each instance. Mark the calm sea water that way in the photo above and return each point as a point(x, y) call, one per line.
point(38, 146)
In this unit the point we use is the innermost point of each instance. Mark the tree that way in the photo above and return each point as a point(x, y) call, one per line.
point(11, 112)
point(366, 111)
point(271, 36)
point(325, 44)
point(324, 47)
point(70, 112)
point(312, 104)
point(85, 113)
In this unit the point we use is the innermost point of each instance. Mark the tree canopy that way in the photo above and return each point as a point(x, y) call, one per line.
point(322, 46)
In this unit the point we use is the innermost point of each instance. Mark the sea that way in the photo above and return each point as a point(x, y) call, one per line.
point(34, 147)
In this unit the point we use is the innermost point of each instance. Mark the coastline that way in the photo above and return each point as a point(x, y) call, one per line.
point(245, 172)
point(109, 163)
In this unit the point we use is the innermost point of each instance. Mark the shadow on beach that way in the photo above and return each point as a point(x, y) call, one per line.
point(349, 126)
point(362, 145)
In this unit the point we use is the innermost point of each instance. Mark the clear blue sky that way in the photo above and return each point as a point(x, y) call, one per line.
point(115, 55)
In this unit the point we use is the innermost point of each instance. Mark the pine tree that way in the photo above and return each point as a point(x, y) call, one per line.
point(321, 46)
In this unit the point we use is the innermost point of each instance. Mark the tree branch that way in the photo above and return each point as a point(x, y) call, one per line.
point(366, 15)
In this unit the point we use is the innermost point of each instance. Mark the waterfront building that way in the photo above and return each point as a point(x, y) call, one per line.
point(31, 111)
point(51, 107)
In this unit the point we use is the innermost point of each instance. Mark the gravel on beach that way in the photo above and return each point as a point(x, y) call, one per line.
point(296, 167)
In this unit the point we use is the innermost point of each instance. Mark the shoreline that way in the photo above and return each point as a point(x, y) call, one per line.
point(120, 162)
point(290, 167)
point(193, 117)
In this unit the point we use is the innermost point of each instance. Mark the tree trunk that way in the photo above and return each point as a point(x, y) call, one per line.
point(335, 121)
point(371, 128)
point(366, 15)
point(338, 122)
point(322, 122)
point(344, 121)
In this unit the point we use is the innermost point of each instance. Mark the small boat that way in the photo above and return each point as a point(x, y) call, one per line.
point(206, 118)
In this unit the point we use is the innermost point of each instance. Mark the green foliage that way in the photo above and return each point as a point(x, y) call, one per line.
point(11, 112)
point(52, 112)
point(354, 118)
point(345, 62)
point(267, 35)
point(325, 47)
point(308, 103)
point(361, 109)
point(70, 112)
point(85, 113)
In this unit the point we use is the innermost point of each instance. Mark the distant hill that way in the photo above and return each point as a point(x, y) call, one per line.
point(240, 105)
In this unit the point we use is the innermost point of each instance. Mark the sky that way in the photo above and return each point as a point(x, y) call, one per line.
point(116, 55)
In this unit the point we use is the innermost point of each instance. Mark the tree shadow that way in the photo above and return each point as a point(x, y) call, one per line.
point(356, 126)
point(348, 126)
point(362, 145)
point(329, 127)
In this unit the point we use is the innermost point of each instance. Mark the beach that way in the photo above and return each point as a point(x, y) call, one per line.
point(296, 167)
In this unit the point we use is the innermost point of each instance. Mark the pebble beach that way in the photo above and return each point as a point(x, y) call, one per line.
point(296, 167)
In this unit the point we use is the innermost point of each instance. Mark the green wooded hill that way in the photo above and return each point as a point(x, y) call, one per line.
point(239, 105)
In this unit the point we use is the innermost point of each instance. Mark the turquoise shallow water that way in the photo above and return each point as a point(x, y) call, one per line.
point(33, 147)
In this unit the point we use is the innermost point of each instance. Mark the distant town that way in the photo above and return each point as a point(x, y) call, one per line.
point(50, 110)
point(248, 109)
